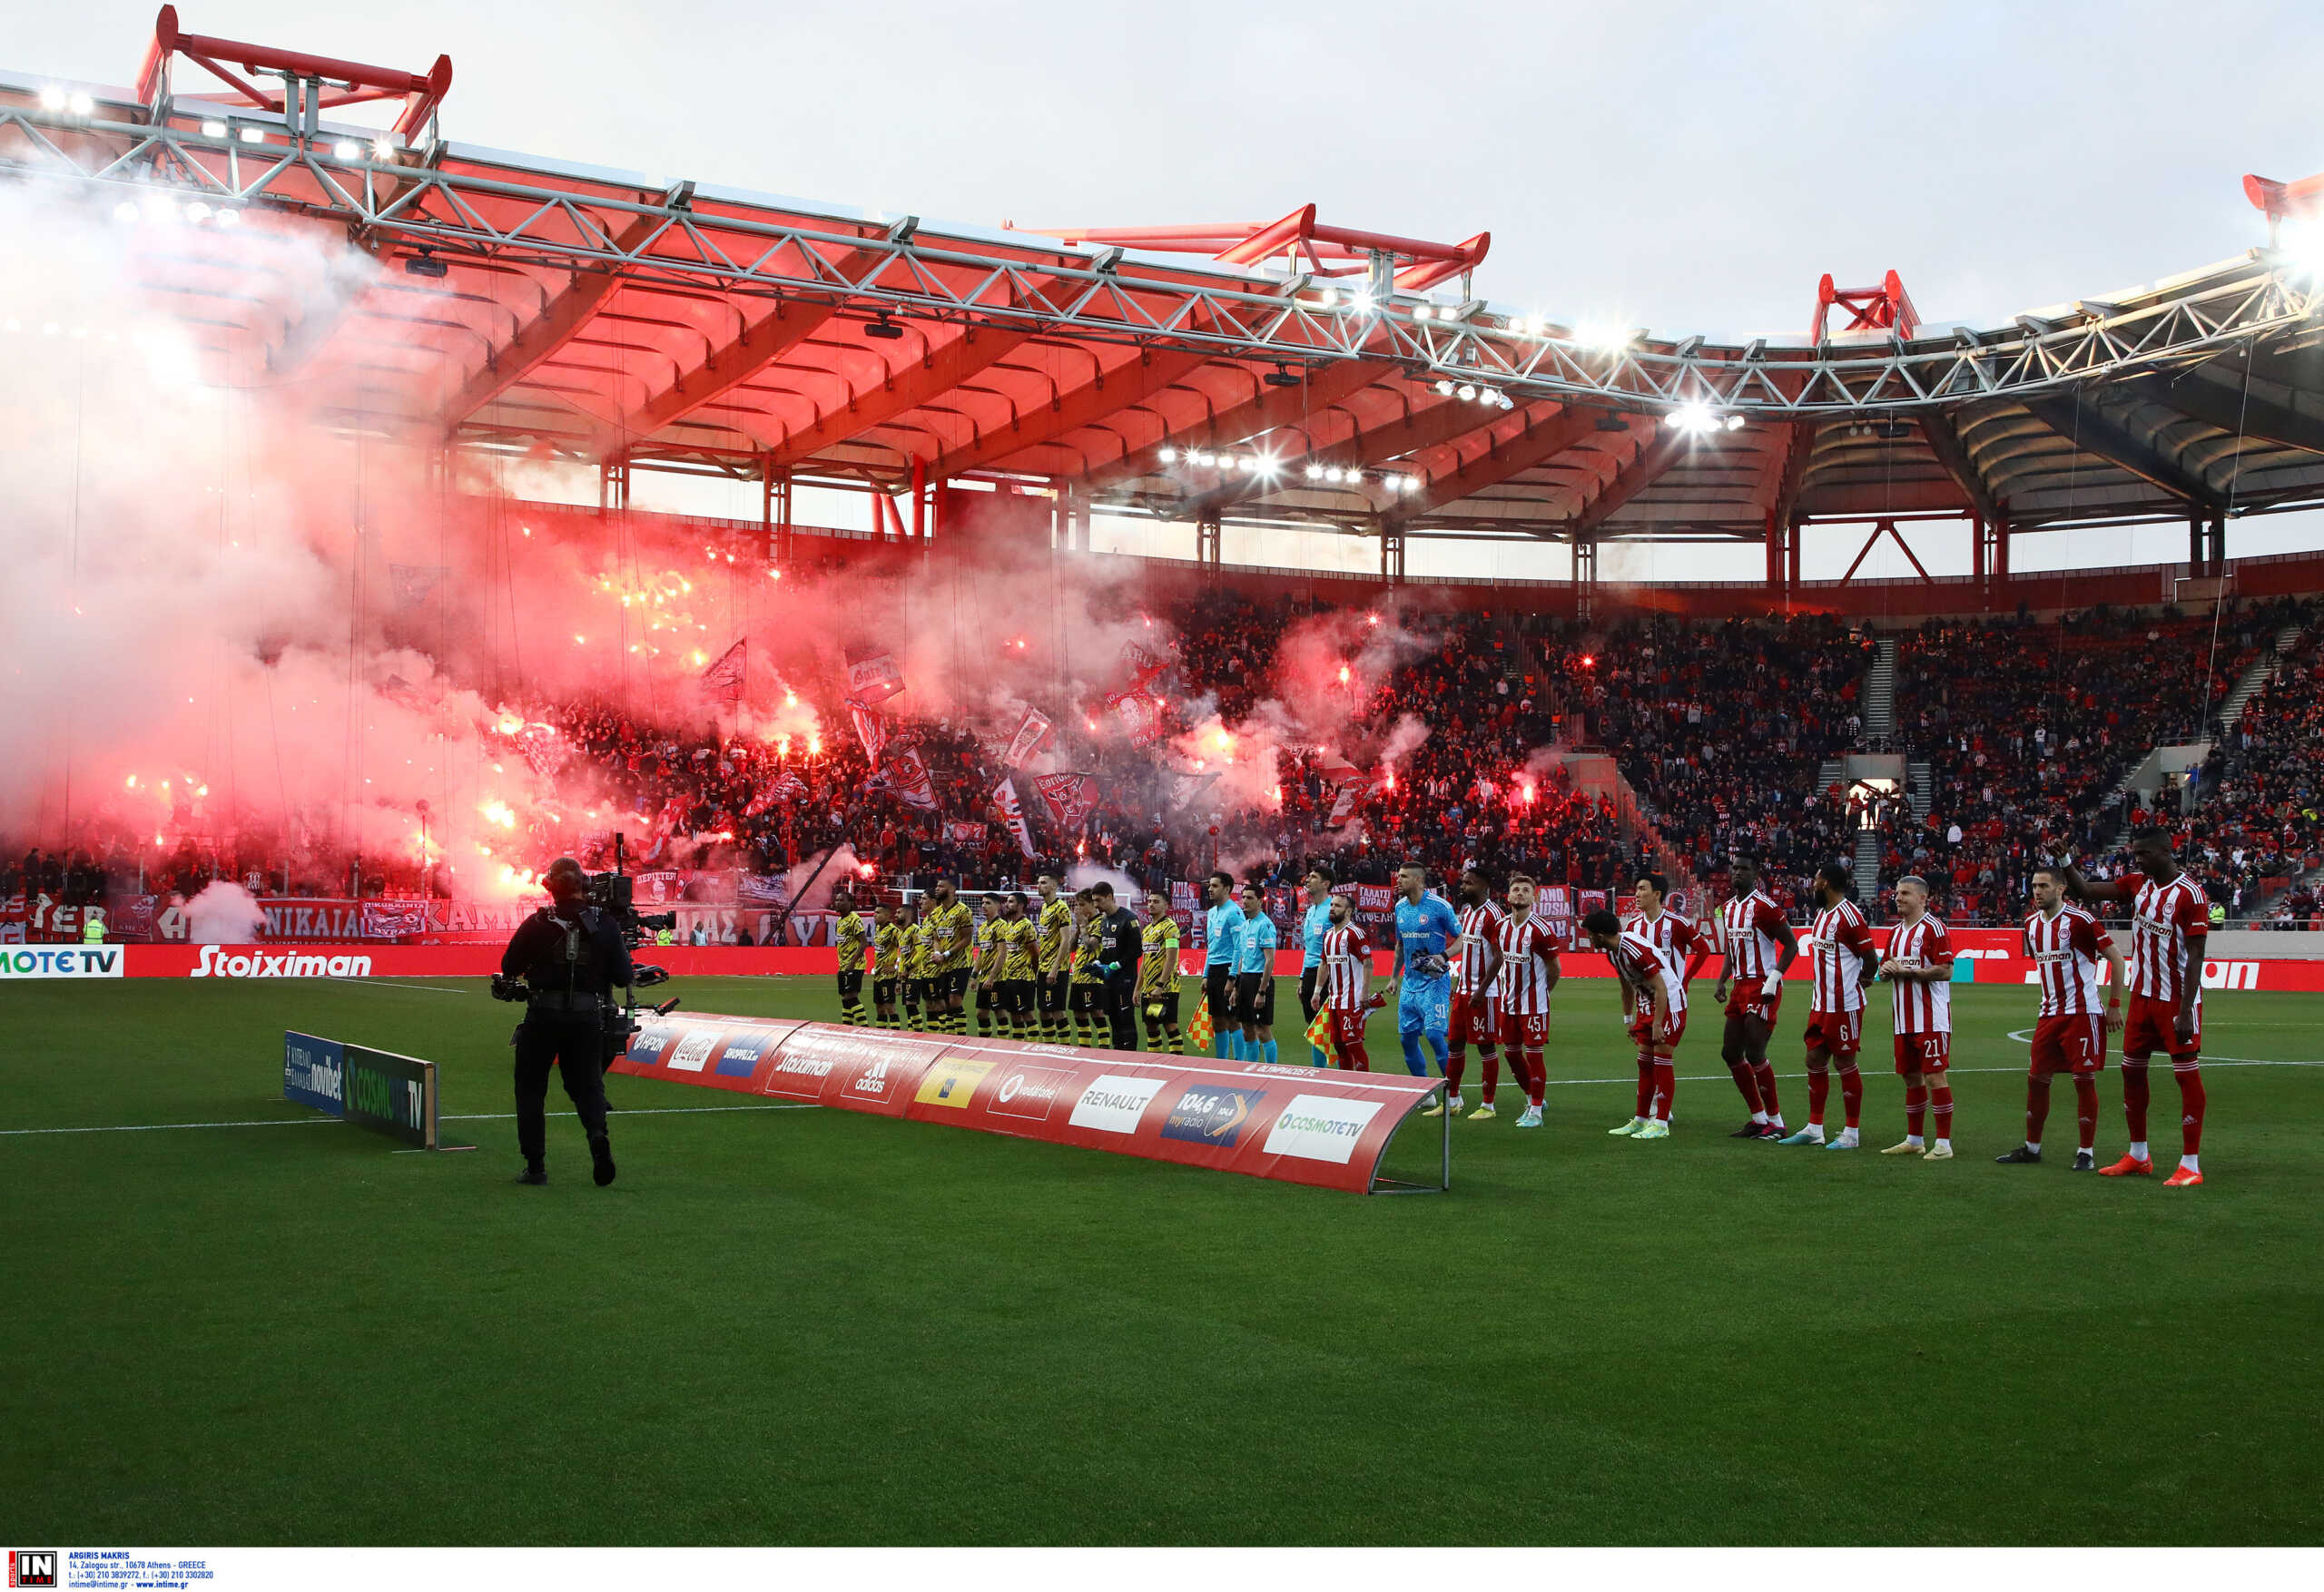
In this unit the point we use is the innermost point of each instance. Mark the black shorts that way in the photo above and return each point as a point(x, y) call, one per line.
point(851, 986)
point(950, 985)
point(986, 998)
point(1219, 994)
point(1051, 988)
point(1308, 993)
point(915, 994)
point(883, 991)
point(1015, 996)
point(1255, 1000)
point(1160, 1008)
point(1085, 1000)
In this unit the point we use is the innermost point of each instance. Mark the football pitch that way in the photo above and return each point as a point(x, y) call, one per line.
point(788, 1326)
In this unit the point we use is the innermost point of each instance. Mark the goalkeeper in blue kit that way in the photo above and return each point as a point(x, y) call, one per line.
point(1427, 928)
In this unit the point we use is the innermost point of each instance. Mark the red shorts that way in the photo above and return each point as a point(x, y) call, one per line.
point(1756, 998)
point(1347, 1027)
point(2154, 1024)
point(1923, 1053)
point(2069, 1045)
point(1530, 1032)
point(1474, 1020)
point(1835, 1033)
point(1666, 1037)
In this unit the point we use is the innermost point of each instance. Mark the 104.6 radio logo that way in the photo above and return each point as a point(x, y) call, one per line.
point(32, 1567)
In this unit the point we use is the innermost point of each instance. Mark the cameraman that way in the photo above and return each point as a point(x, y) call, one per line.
point(571, 957)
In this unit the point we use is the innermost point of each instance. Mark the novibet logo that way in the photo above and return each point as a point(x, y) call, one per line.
point(216, 963)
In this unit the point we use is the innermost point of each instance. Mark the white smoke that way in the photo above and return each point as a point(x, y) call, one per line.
point(224, 913)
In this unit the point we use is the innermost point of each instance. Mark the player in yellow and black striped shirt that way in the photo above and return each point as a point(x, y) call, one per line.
point(915, 966)
point(887, 963)
point(951, 929)
point(1086, 991)
point(1158, 974)
point(1016, 945)
point(987, 957)
point(1054, 927)
point(852, 934)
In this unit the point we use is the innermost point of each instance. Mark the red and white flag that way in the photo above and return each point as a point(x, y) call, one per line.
point(908, 777)
point(1004, 796)
point(873, 675)
point(870, 729)
point(1070, 798)
point(723, 680)
point(1030, 737)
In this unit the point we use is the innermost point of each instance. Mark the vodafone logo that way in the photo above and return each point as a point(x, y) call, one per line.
point(218, 963)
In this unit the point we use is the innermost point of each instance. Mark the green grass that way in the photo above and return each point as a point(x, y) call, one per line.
point(787, 1326)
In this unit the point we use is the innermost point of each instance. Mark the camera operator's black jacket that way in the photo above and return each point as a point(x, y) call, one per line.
point(570, 963)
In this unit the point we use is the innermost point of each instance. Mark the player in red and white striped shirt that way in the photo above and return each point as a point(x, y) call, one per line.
point(2170, 924)
point(1653, 999)
point(1527, 971)
point(1476, 958)
point(1345, 982)
point(1840, 952)
point(1683, 949)
point(1919, 971)
point(1759, 946)
point(2065, 944)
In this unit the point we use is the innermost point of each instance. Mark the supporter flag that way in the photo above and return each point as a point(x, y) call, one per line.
point(873, 675)
point(1013, 811)
point(723, 680)
point(544, 749)
point(414, 584)
point(1183, 785)
point(1030, 737)
point(907, 776)
point(870, 728)
point(1145, 664)
point(394, 919)
point(1141, 715)
point(761, 889)
point(1070, 798)
point(402, 692)
point(783, 788)
point(963, 833)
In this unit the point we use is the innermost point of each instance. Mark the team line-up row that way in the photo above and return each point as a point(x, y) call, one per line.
point(1079, 967)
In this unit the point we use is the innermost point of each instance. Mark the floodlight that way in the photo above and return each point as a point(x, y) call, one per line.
point(1444, 388)
point(1315, 472)
point(51, 98)
point(1735, 422)
point(214, 130)
point(196, 211)
point(1359, 301)
point(1422, 312)
point(81, 105)
point(253, 135)
point(124, 211)
point(1168, 455)
point(1468, 393)
point(347, 149)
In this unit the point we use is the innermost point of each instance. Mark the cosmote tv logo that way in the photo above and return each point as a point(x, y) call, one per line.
point(222, 962)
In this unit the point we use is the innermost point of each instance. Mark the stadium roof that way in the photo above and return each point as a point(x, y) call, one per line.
point(534, 304)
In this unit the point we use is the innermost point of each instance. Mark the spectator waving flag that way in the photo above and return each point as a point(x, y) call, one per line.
point(871, 728)
point(723, 680)
point(908, 777)
point(1070, 798)
point(873, 675)
point(1030, 737)
point(1005, 797)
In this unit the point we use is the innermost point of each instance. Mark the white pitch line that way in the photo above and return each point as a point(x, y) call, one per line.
point(148, 1127)
point(400, 984)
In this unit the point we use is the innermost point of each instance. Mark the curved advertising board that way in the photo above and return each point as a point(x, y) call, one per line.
point(1292, 1123)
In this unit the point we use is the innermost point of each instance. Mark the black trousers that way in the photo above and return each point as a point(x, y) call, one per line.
point(579, 1049)
point(1120, 1007)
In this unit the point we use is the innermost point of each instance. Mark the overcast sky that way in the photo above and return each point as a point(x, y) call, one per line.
point(1685, 168)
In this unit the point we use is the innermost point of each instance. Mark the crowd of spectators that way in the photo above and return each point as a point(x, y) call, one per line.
point(1460, 745)
point(2029, 729)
